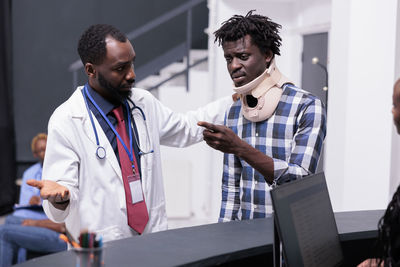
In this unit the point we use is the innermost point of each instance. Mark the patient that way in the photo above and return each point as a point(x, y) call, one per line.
point(29, 228)
point(389, 224)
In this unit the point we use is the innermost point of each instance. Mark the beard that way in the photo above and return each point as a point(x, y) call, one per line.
point(116, 93)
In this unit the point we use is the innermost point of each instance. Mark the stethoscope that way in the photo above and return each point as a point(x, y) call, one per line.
point(100, 150)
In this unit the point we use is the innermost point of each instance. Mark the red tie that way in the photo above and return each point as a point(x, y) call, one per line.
point(137, 213)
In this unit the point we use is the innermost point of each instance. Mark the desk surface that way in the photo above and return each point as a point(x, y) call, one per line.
point(210, 244)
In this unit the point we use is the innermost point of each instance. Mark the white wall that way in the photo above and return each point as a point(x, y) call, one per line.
point(362, 54)
point(395, 166)
point(191, 197)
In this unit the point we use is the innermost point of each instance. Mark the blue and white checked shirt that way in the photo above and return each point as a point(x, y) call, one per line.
point(292, 137)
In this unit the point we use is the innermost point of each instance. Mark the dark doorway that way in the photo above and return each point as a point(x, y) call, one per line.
point(314, 76)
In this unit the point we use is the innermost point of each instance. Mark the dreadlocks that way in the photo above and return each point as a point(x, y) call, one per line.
point(264, 32)
point(389, 232)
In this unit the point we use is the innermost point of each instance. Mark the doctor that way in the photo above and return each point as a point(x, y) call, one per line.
point(102, 169)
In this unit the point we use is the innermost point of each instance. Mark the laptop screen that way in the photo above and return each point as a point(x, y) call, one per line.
point(306, 224)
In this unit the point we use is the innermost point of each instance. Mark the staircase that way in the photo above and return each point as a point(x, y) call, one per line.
point(175, 73)
point(185, 170)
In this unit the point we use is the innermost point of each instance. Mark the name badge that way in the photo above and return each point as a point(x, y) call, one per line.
point(136, 188)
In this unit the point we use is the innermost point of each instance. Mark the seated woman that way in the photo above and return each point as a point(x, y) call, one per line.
point(30, 229)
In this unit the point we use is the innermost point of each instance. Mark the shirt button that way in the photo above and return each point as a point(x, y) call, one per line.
point(256, 182)
point(255, 207)
point(256, 134)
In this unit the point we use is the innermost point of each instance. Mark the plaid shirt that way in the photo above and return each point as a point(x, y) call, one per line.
point(292, 137)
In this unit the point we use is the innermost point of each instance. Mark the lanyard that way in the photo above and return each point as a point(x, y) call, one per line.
point(130, 155)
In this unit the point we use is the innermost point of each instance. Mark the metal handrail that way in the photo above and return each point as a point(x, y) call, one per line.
point(179, 73)
point(186, 7)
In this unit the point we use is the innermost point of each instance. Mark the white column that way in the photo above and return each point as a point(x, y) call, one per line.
point(395, 168)
point(362, 60)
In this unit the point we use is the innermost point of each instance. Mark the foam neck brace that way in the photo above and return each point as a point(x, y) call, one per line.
point(267, 89)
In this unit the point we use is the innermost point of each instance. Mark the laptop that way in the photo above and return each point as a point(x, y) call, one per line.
point(305, 224)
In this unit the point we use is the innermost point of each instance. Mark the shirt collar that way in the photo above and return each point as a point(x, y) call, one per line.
point(105, 105)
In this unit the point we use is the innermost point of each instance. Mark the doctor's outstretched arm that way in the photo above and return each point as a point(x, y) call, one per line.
point(57, 194)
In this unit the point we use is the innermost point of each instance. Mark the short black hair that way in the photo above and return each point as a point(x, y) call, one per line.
point(92, 44)
point(263, 31)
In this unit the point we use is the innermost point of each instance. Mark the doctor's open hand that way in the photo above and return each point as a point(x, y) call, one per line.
point(57, 194)
point(222, 138)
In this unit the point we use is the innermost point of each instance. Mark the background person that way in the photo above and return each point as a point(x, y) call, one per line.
point(30, 229)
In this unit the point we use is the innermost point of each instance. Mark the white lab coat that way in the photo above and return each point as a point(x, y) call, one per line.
point(97, 198)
